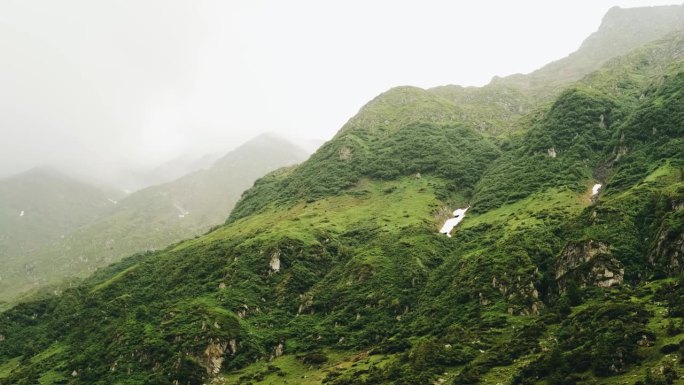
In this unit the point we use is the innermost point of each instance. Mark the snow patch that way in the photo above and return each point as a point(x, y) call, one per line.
point(450, 223)
point(113, 201)
point(21, 214)
point(181, 211)
point(595, 190)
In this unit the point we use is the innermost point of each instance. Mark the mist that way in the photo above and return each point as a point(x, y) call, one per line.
point(105, 89)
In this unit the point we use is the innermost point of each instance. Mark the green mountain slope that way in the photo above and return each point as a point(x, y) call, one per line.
point(458, 154)
point(621, 31)
point(151, 218)
point(39, 207)
point(335, 271)
point(52, 204)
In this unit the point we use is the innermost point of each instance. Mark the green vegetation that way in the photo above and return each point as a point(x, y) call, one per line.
point(560, 150)
point(37, 208)
point(456, 154)
point(333, 272)
point(148, 219)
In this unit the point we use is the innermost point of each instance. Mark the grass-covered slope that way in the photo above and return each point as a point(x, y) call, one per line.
point(452, 152)
point(580, 136)
point(39, 207)
point(313, 282)
point(334, 271)
point(200, 289)
point(148, 219)
point(621, 31)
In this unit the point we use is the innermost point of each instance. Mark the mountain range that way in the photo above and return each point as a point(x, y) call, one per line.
point(69, 228)
point(562, 194)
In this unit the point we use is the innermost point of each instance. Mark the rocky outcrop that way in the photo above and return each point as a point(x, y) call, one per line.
point(604, 277)
point(588, 263)
point(345, 153)
point(213, 357)
point(519, 291)
point(305, 302)
point(242, 312)
point(667, 253)
point(215, 353)
point(274, 264)
point(279, 350)
point(577, 254)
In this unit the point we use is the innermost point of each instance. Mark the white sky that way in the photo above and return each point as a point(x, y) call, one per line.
point(105, 85)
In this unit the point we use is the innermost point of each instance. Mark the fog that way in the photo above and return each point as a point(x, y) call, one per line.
point(102, 88)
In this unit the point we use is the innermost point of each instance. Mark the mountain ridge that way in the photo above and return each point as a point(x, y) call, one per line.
point(61, 202)
point(150, 218)
point(621, 30)
point(335, 271)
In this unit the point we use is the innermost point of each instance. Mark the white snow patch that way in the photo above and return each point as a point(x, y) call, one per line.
point(181, 211)
point(113, 201)
point(21, 214)
point(450, 223)
point(595, 190)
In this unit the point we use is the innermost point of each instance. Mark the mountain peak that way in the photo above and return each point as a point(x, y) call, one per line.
point(263, 143)
point(398, 107)
point(621, 30)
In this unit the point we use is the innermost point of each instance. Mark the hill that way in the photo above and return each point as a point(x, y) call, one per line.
point(621, 31)
point(564, 265)
point(148, 219)
point(40, 206)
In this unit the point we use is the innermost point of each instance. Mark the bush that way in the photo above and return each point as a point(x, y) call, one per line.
point(313, 358)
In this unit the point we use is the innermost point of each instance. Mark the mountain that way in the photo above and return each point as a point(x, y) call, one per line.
point(166, 172)
point(563, 262)
point(38, 207)
point(148, 219)
point(495, 108)
point(621, 30)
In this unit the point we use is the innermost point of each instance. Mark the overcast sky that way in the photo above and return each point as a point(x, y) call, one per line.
point(105, 85)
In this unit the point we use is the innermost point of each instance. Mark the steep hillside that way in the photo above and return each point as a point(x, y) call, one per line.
point(496, 108)
point(567, 144)
point(370, 147)
point(564, 265)
point(621, 30)
point(151, 218)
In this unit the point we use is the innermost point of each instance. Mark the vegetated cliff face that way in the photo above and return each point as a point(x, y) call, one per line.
point(340, 259)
